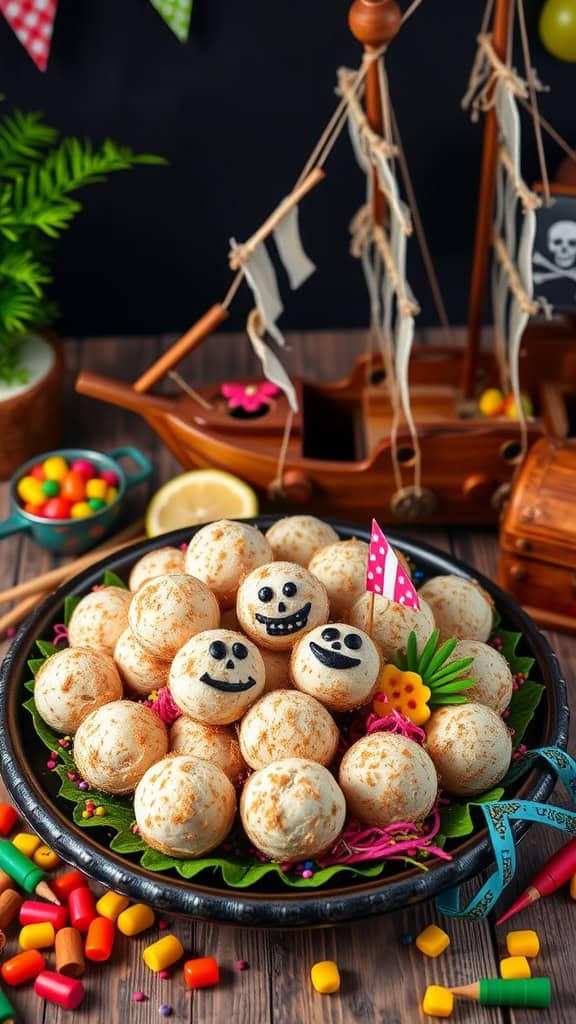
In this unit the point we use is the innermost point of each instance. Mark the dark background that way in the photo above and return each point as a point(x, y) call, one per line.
point(236, 112)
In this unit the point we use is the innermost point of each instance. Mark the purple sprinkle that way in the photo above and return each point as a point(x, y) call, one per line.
point(83, 786)
point(241, 965)
point(165, 1010)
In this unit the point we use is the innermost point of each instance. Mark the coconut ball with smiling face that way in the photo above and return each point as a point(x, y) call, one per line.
point(385, 778)
point(286, 723)
point(216, 676)
point(461, 608)
point(168, 610)
point(298, 538)
point(293, 809)
point(72, 683)
point(490, 671)
point(279, 602)
point(140, 670)
point(338, 665)
point(99, 618)
point(392, 623)
point(161, 562)
point(222, 553)
point(342, 569)
point(115, 745)
point(215, 743)
point(184, 806)
point(470, 746)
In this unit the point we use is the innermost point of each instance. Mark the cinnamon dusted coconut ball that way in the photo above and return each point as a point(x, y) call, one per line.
point(297, 538)
point(491, 674)
point(215, 743)
point(279, 602)
point(222, 553)
point(286, 723)
point(184, 806)
point(339, 665)
point(72, 683)
point(216, 676)
point(385, 778)
point(277, 668)
point(140, 670)
point(161, 562)
point(99, 618)
point(460, 607)
point(342, 569)
point(115, 745)
point(168, 610)
point(292, 809)
point(392, 623)
point(470, 746)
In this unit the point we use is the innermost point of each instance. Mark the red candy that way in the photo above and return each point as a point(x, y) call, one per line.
point(67, 883)
point(82, 909)
point(37, 471)
point(201, 972)
point(8, 818)
point(86, 469)
point(59, 989)
point(34, 912)
point(111, 478)
point(56, 508)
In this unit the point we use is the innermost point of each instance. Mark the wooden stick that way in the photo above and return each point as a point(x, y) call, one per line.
point(19, 612)
point(200, 330)
point(50, 580)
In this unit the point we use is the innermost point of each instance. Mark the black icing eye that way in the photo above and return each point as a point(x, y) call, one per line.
point(289, 589)
point(353, 641)
point(239, 651)
point(330, 634)
point(265, 594)
point(217, 650)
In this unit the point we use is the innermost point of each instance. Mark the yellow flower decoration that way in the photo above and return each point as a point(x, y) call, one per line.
point(406, 693)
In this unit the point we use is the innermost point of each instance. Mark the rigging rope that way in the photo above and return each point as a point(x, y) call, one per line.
point(532, 80)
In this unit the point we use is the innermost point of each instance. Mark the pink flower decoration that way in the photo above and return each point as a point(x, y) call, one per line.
point(164, 706)
point(249, 397)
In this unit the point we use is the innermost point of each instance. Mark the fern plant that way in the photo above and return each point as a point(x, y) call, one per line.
point(445, 679)
point(38, 175)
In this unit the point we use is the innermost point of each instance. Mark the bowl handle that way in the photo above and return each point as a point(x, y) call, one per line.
point(14, 524)
point(146, 467)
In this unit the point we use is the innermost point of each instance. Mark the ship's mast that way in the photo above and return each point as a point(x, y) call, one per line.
point(374, 23)
point(485, 212)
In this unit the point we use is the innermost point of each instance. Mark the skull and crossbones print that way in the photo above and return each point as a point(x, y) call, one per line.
point(561, 243)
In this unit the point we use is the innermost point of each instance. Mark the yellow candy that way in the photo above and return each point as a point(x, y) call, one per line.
point(325, 977)
point(30, 490)
point(573, 887)
point(111, 495)
point(135, 920)
point(111, 904)
point(163, 953)
point(81, 509)
point(438, 1001)
point(432, 941)
point(490, 402)
point(523, 943)
point(515, 967)
point(26, 843)
point(55, 468)
point(37, 936)
point(45, 858)
point(96, 488)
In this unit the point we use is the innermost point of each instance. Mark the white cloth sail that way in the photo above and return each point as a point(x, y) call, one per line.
point(271, 366)
point(291, 251)
point(261, 277)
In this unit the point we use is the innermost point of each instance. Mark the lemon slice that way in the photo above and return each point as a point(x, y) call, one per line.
point(199, 496)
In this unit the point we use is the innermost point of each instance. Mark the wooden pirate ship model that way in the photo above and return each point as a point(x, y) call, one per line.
point(402, 430)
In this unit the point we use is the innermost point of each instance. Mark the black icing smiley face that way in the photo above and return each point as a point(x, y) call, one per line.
point(337, 664)
point(286, 621)
point(229, 659)
point(337, 642)
point(279, 602)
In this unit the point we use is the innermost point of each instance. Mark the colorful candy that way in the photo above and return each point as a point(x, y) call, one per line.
point(37, 936)
point(432, 941)
point(135, 919)
point(45, 858)
point(54, 490)
point(34, 912)
point(523, 943)
point(438, 1001)
point(201, 972)
point(69, 950)
point(59, 989)
point(325, 977)
point(66, 884)
point(26, 843)
point(8, 818)
point(23, 967)
point(163, 953)
point(100, 939)
point(515, 967)
point(24, 871)
point(81, 907)
point(111, 904)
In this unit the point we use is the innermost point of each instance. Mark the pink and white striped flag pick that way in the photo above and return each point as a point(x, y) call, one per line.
point(385, 575)
point(33, 22)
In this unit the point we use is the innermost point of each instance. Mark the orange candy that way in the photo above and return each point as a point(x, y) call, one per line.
point(100, 939)
point(23, 967)
point(202, 972)
point(73, 487)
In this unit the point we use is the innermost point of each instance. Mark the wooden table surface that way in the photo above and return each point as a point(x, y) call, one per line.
point(383, 980)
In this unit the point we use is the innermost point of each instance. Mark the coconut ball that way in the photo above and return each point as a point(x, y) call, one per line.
point(292, 809)
point(216, 676)
point(470, 746)
point(385, 778)
point(222, 553)
point(99, 618)
point(280, 601)
point(460, 607)
point(286, 723)
point(184, 806)
point(297, 538)
point(490, 671)
point(338, 665)
point(116, 743)
point(168, 610)
point(72, 683)
point(140, 670)
point(277, 668)
point(161, 562)
point(392, 623)
point(342, 569)
point(215, 743)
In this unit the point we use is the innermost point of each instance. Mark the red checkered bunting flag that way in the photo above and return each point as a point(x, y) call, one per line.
point(33, 22)
point(385, 574)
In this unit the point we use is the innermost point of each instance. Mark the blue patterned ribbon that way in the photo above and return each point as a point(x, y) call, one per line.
point(498, 817)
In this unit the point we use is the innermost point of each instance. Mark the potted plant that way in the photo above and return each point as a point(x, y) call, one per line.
point(39, 176)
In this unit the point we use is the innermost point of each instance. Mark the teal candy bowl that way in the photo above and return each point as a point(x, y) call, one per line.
point(73, 536)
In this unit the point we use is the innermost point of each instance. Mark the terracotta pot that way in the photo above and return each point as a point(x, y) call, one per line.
point(31, 417)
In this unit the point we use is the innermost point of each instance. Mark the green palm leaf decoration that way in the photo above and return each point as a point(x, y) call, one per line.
point(446, 679)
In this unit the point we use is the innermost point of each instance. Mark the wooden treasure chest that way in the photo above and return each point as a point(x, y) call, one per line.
point(538, 535)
